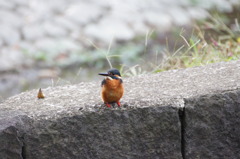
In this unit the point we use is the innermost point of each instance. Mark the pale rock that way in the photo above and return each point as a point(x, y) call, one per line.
point(24, 11)
point(1, 43)
point(83, 13)
point(69, 44)
point(65, 23)
point(46, 43)
point(125, 6)
point(135, 21)
point(132, 17)
point(75, 34)
point(29, 16)
point(205, 4)
point(54, 30)
point(177, 3)
point(39, 11)
point(161, 21)
point(184, 3)
point(139, 28)
point(10, 59)
point(55, 46)
point(234, 2)
point(179, 16)
point(20, 2)
point(9, 18)
point(9, 35)
point(33, 32)
point(152, 5)
point(221, 5)
point(102, 3)
point(6, 4)
point(108, 30)
point(57, 6)
point(129, 17)
point(48, 73)
point(26, 47)
point(109, 5)
point(197, 13)
point(224, 6)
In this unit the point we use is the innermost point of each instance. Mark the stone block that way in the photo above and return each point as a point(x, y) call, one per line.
point(186, 113)
point(211, 126)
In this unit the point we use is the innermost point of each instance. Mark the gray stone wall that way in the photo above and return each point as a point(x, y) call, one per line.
point(186, 114)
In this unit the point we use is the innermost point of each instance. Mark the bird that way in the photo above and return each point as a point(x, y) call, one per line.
point(40, 94)
point(112, 87)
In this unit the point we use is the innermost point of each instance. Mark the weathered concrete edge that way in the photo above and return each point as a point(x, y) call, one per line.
point(189, 104)
point(23, 122)
point(14, 128)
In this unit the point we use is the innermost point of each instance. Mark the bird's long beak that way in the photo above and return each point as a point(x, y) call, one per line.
point(103, 74)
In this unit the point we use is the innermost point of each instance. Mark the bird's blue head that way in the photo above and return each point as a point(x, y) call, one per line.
point(111, 72)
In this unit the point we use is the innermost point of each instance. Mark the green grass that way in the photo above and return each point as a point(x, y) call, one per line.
point(211, 41)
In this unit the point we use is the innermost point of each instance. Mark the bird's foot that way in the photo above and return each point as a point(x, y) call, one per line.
point(119, 104)
point(108, 105)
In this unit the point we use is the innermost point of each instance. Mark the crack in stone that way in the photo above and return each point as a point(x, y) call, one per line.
point(181, 113)
point(23, 154)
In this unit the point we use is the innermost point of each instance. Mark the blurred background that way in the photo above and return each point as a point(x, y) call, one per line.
point(50, 43)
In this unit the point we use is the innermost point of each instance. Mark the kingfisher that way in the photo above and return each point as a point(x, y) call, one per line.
point(112, 87)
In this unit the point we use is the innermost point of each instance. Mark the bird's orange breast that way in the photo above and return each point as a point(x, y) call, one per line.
point(112, 90)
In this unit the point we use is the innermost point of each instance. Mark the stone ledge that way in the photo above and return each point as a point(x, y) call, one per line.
point(211, 126)
point(164, 115)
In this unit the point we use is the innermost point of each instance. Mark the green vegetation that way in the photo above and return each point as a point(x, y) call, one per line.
point(211, 41)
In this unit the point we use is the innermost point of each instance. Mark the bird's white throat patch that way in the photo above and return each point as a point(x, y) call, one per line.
point(110, 78)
